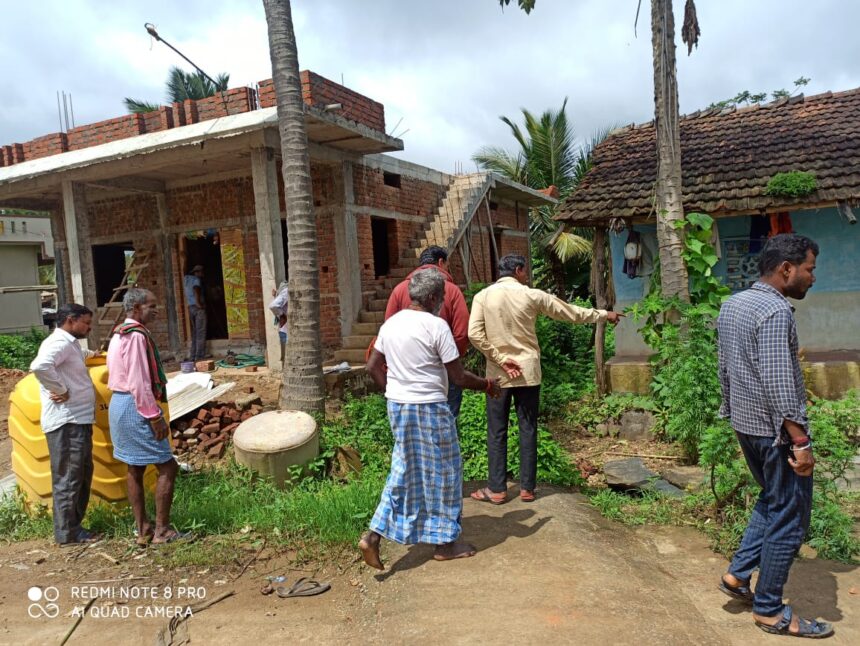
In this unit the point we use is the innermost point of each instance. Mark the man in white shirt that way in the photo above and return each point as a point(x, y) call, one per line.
point(423, 496)
point(68, 413)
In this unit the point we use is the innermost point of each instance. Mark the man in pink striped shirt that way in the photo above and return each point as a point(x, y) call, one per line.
point(139, 431)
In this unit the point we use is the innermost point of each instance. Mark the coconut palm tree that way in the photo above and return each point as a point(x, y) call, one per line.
point(548, 155)
point(182, 85)
point(668, 204)
point(304, 388)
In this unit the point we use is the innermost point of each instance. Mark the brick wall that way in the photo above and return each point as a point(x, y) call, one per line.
point(105, 131)
point(414, 197)
point(316, 90)
point(319, 91)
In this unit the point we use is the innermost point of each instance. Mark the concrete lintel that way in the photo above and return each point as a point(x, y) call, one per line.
point(403, 167)
point(357, 209)
point(270, 240)
point(133, 184)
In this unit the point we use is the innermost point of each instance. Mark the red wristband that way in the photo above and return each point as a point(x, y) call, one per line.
point(489, 386)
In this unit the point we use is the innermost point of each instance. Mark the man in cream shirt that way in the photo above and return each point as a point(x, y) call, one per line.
point(68, 413)
point(502, 327)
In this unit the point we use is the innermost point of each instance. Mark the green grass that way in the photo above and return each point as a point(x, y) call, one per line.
point(17, 351)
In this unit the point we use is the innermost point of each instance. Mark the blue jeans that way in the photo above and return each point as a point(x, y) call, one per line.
point(455, 399)
point(778, 525)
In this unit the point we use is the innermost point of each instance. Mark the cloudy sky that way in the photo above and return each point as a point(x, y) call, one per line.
point(444, 69)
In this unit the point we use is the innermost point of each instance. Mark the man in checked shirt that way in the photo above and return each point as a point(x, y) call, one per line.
point(764, 397)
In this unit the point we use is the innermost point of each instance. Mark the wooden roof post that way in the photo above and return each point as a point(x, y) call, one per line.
point(598, 272)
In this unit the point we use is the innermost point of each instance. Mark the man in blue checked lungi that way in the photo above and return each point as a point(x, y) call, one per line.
point(423, 496)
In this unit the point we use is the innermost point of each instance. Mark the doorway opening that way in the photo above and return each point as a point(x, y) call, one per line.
point(380, 230)
point(110, 262)
point(204, 248)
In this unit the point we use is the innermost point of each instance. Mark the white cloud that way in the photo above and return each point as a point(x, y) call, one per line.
point(449, 68)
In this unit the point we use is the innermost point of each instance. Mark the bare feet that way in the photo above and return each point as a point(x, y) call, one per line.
point(369, 546)
point(145, 534)
point(455, 550)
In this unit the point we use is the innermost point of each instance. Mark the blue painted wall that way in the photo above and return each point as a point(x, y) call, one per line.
point(838, 263)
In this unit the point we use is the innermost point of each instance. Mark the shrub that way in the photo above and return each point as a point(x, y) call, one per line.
point(17, 351)
point(793, 184)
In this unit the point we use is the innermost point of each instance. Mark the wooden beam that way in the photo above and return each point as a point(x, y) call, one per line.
point(598, 270)
point(165, 243)
point(27, 288)
point(270, 240)
point(79, 246)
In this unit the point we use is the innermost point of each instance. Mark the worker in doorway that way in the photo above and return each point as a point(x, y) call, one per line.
point(193, 284)
point(278, 307)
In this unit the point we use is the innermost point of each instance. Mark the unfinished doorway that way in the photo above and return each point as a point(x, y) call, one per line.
point(204, 248)
point(381, 230)
point(109, 263)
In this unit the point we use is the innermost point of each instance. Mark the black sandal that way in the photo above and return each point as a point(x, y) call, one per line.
point(809, 628)
point(304, 587)
point(740, 592)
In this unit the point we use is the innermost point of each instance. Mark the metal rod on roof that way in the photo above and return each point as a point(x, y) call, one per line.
point(72, 109)
point(59, 112)
point(66, 110)
point(150, 28)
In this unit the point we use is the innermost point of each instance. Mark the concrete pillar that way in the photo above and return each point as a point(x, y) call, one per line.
point(166, 246)
point(61, 256)
point(267, 208)
point(348, 263)
point(80, 250)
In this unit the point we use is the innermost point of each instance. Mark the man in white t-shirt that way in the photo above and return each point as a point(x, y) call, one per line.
point(423, 496)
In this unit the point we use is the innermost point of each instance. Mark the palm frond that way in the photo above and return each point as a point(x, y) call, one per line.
point(502, 162)
point(569, 246)
point(136, 106)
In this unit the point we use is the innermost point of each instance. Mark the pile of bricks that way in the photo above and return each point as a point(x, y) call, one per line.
point(208, 433)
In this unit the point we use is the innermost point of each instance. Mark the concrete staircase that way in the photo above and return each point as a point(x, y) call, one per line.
point(445, 229)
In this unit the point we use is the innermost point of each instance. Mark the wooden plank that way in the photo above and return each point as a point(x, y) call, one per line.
point(194, 397)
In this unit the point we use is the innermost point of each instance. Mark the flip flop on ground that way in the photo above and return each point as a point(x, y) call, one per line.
point(485, 495)
point(84, 537)
point(304, 587)
point(170, 536)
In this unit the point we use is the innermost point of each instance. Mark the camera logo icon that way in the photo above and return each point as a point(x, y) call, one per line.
point(43, 602)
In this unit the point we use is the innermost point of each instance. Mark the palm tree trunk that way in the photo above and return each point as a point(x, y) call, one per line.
point(670, 209)
point(304, 388)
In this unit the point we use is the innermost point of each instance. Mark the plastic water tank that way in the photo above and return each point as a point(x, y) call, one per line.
point(30, 459)
point(270, 443)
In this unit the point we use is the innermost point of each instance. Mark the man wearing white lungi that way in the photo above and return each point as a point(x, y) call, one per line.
point(139, 432)
point(422, 499)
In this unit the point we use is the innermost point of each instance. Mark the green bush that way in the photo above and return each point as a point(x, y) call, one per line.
point(792, 184)
point(17, 351)
point(733, 490)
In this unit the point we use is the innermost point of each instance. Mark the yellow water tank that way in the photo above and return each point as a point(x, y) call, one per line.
point(30, 459)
